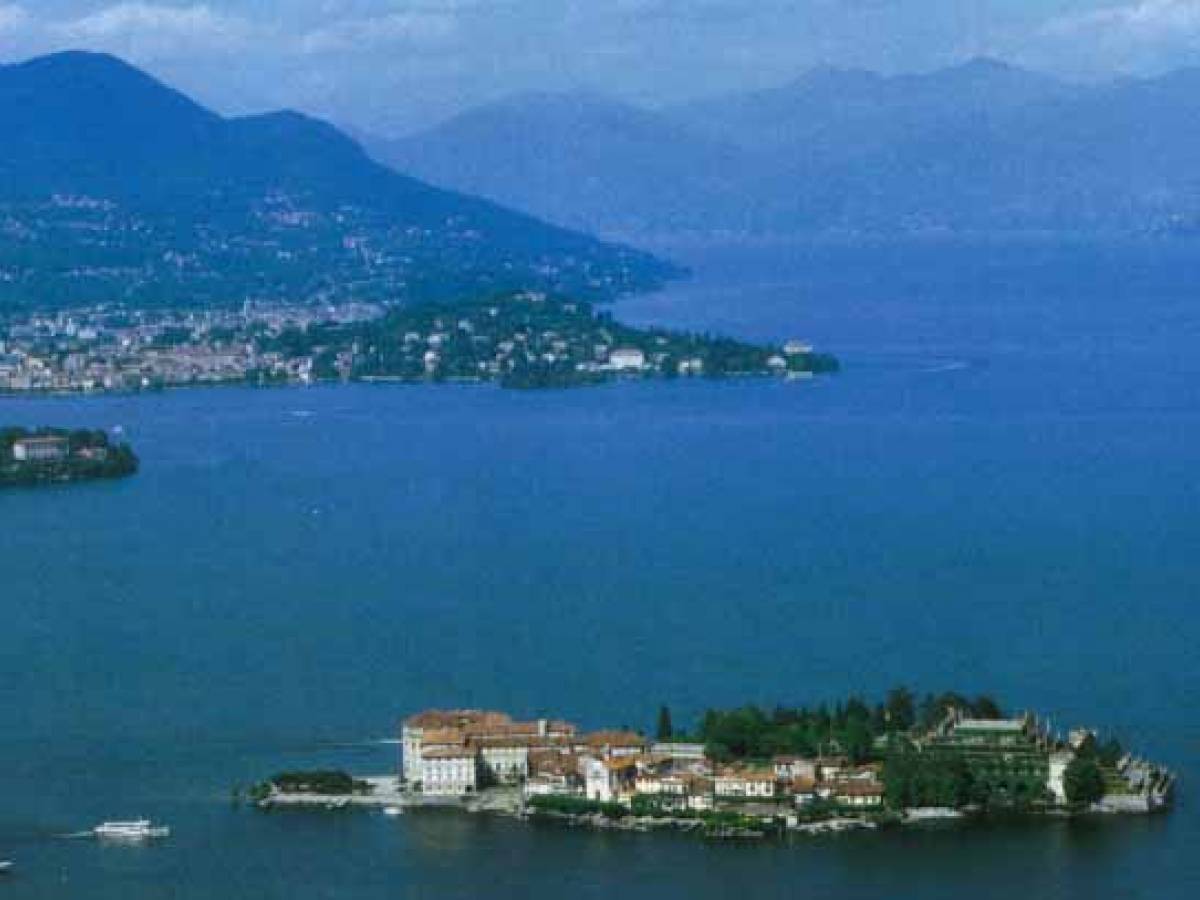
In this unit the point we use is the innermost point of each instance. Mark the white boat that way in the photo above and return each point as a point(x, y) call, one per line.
point(392, 811)
point(137, 830)
point(5, 866)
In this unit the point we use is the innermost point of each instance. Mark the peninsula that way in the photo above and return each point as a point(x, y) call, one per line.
point(57, 455)
point(521, 340)
point(749, 772)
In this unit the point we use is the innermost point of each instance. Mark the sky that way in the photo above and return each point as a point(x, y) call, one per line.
point(391, 66)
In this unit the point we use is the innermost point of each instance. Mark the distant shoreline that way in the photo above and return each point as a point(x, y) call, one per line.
point(523, 341)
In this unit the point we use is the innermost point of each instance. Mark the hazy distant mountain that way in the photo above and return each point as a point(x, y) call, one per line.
point(114, 186)
point(981, 147)
point(839, 111)
point(579, 160)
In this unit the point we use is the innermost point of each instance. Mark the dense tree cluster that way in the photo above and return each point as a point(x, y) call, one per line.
point(849, 728)
point(326, 782)
point(1084, 780)
point(936, 777)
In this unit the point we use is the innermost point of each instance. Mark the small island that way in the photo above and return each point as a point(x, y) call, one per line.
point(749, 772)
point(58, 455)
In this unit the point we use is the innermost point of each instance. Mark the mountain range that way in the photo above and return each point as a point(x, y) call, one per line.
point(980, 147)
point(114, 187)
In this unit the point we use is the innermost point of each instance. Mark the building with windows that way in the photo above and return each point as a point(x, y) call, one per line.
point(627, 359)
point(857, 794)
point(41, 448)
point(788, 768)
point(449, 772)
point(500, 746)
point(752, 784)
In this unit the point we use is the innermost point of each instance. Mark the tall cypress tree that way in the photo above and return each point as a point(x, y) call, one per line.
point(665, 729)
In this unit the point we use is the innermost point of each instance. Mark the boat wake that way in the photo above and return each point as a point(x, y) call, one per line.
point(954, 365)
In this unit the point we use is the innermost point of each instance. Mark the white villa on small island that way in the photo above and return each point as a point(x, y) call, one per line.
point(797, 348)
point(626, 359)
point(40, 448)
point(449, 772)
point(440, 746)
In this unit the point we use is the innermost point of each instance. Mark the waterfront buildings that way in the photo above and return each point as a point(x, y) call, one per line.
point(497, 747)
point(788, 768)
point(449, 753)
point(529, 340)
point(736, 783)
point(627, 359)
point(857, 794)
point(449, 771)
point(454, 753)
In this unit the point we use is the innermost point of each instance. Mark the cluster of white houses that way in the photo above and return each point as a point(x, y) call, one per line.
point(453, 753)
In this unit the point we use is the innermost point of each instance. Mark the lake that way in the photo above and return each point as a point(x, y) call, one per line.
point(999, 493)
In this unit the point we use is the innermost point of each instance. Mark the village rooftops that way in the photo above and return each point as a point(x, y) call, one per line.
point(448, 753)
point(438, 736)
point(542, 728)
point(833, 761)
point(457, 718)
point(858, 789)
point(615, 739)
point(679, 750)
point(43, 440)
point(755, 775)
point(652, 759)
point(476, 723)
point(621, 763)
point(516, 741)
point(551, 762)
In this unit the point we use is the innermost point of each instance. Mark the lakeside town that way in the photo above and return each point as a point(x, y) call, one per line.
point(516, 340)
point(858, 767)
point(110, 348)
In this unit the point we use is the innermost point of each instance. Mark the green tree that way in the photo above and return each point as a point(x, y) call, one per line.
point(665, 730)
point(1110, 752)
point(900, 709)
point(1083, 781)
point(985, 707)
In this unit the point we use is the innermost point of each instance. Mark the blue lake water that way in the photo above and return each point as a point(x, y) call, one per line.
point(999, 494)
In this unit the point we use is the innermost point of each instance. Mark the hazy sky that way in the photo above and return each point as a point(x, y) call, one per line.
point(389, 65)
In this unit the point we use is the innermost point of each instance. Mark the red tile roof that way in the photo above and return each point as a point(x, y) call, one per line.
point(612, 738)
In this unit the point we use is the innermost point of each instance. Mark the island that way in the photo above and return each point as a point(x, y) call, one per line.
point(58, 455)
point(750, 772)
point(516, 340)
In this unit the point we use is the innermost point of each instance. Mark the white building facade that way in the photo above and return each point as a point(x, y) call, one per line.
point(449, 773)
